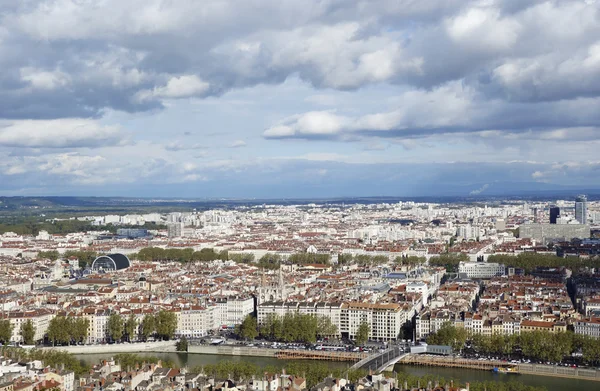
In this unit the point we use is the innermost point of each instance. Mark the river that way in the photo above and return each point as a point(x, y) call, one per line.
point(462, 375)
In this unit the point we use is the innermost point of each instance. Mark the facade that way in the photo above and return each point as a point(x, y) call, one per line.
point(175, 230)
point(230, 311)
point(554, 214)
point(589, 327)
point(536, 325)
point(385, 320)
point(40, 319)
point(547, 232)
point(581, 209)
point(481, 269)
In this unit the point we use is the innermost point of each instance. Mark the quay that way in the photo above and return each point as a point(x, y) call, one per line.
point(527, 369)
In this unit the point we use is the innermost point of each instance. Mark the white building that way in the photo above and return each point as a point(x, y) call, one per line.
point(590, 327)
point(40, 318)
point(481, 269)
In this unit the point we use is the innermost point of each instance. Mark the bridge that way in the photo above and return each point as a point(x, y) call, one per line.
point(380, 361)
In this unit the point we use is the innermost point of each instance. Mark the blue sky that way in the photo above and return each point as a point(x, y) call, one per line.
point(293, 98)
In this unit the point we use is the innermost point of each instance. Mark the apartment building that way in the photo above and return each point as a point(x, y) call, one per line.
point(481, 269)
point(589, 327)
point(40, 318)
point(386, 320)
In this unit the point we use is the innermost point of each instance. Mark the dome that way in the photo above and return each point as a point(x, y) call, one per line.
point(111, 262)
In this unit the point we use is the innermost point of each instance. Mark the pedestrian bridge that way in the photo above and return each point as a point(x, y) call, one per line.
point(380, 361)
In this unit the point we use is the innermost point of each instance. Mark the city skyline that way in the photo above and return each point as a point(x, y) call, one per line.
point(272, 99)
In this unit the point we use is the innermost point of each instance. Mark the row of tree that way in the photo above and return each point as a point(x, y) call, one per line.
point(184, 255)
point(530, 261)
point(450, 261)
point(27, 331)
point(64, 330)
point(313, 372)
point(72, 330)
point(535, 345)
point(292, 327)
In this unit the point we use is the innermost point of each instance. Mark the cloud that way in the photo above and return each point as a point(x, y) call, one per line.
point(181, 146)
point(237, 144)
point(62, 133)
point(186, 86)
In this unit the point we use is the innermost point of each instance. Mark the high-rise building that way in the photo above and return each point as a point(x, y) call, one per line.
point(581, 209)
point(175, 230)
point(554, 213)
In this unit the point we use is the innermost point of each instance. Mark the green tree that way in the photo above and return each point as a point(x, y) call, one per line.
point(59, 330)
point(325, 327)
point(52, 255)
point(130, 327)
point(148, 326)
point(6, 329)
point(79, 329)
point(28, 332)
point(114, 327)
point(362, 334)
point(248, 329)
point(182, 345)
point(166, 324)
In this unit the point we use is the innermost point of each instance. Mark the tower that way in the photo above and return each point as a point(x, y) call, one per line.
point(554, 213)
point(581, 209)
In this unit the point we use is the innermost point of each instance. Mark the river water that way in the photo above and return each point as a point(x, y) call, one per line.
point(462, 375)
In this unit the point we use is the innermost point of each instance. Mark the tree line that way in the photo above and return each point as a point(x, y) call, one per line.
point(85, 257)
point(535, 345)
point(529, 261)
point(313, 372)
point(52, 358)
point(292, 327)
point(183, 255)
point(450, 261)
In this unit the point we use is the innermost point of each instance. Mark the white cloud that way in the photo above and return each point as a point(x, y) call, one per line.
point(60, 133)
point(237, 144)
point(186, 86)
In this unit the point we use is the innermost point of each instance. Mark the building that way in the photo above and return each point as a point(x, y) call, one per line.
point(581, 209)
point(590, 327)
point(537, 325)
point(549, 232)
point(175, 230)
point(386, 320)
point(133, 233)
point(231, 311)
point(481, 269)
point(111, 262)
point(554, 214)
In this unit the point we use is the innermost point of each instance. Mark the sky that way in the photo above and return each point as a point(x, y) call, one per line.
point(298, 98)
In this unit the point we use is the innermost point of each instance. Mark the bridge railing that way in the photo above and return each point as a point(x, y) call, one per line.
point(377, 360)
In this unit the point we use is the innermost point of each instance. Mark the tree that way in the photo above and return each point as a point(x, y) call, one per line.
point(114, 327)
point(148, 326)
point(325, 327)
point(182, 345)
point(6, 329)
point(51, 255)
point(79, 329)
point(248, 328)
point(59, 330)
point(28, 332)
point(362, 334)
point(166, 324)
point(130, 327)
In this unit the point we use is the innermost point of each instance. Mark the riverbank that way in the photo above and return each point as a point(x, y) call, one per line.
point(139, 347)
point(529, 369)
point(194, 360)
